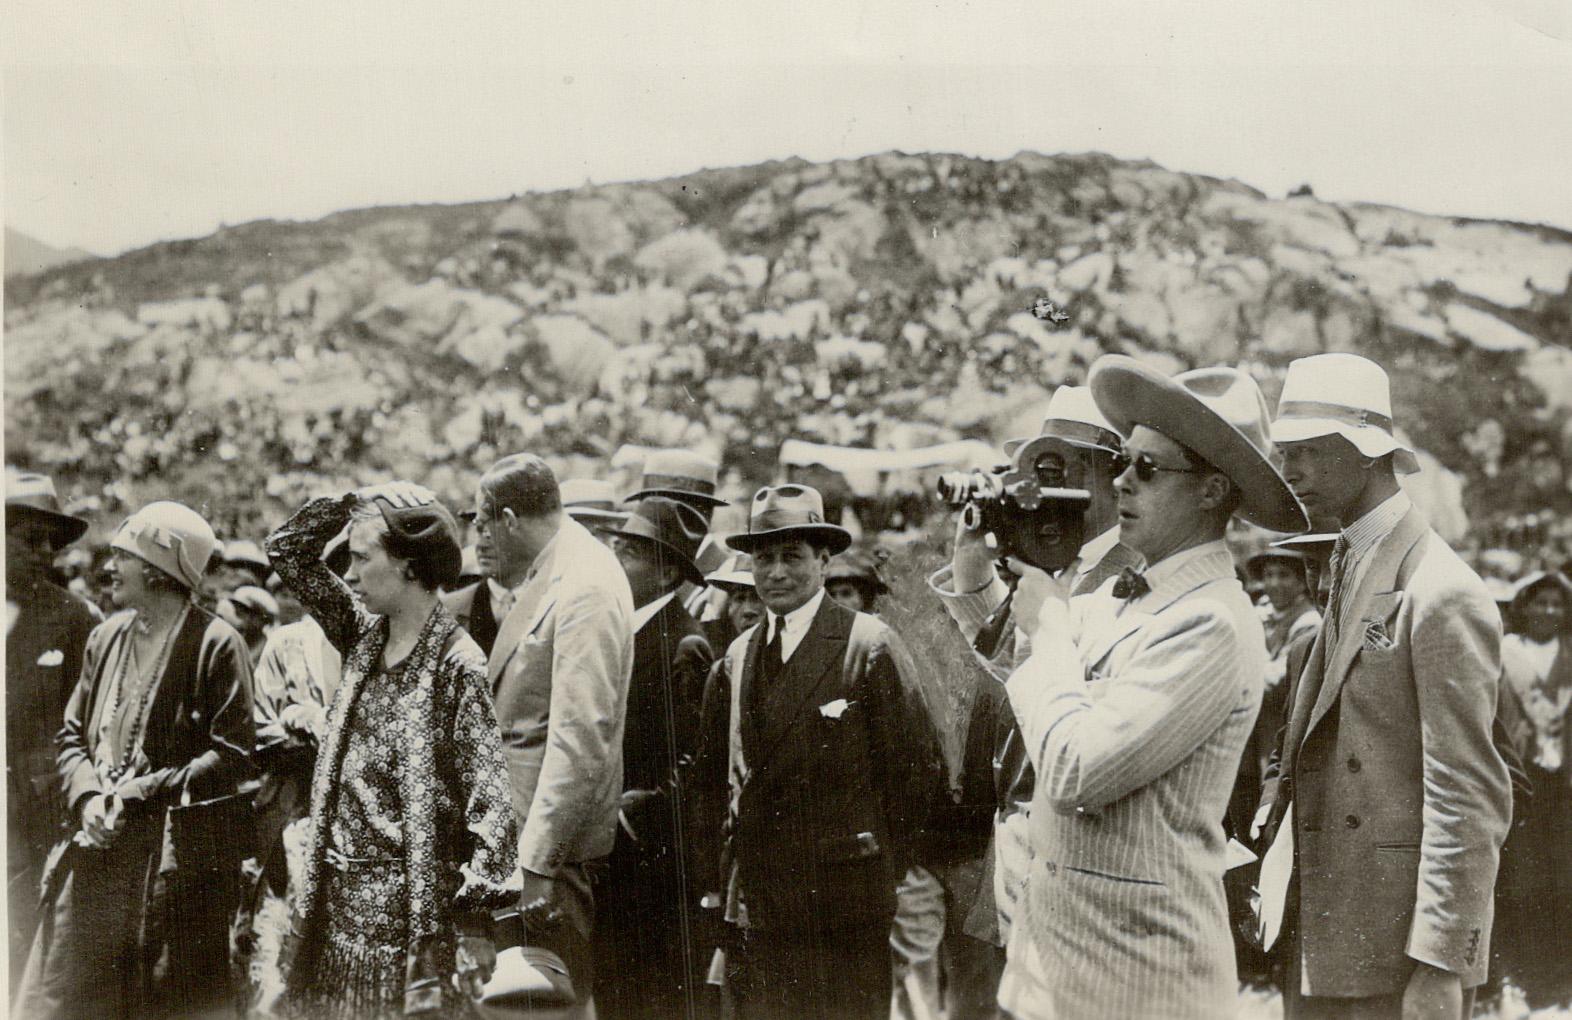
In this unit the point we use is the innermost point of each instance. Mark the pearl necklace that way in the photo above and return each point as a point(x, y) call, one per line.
point(144, 695)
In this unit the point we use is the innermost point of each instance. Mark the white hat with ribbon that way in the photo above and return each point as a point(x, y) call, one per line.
point(1341, 395)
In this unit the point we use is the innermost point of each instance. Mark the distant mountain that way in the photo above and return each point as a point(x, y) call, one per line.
point(884, 301)
point(24, 254)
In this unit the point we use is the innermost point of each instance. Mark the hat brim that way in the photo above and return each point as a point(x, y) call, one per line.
point(698, 499)
point(609, 516)
point(1255, 564)
point(690, 570)
point(1130, 394)
point(1311, 540)
point(730, 581)
point(68, 528)
point(1367, 439)
point(1011, 445)
point(837, 539)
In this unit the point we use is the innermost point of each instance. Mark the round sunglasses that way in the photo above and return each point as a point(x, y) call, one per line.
point(1146, 468)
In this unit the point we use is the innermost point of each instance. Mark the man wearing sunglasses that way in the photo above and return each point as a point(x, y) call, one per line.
point(1134, 708)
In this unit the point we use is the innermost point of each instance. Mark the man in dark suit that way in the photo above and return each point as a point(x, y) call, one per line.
point(477, 607)
point(647, 914)
point(691, 479)
point(46, 632)
point(820, 765)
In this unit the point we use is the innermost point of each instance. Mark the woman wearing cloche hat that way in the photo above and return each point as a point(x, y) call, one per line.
point(413, 834)
point(155, 742)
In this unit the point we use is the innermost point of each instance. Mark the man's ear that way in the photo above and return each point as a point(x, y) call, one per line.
point(1215, 490)
point(824, 555)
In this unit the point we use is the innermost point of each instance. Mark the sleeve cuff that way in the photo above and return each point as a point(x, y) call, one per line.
point(969, 609)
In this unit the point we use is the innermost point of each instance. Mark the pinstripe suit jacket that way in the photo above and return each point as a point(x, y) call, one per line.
point(1135, 716)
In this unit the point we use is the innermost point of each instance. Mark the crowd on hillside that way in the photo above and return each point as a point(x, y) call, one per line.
point(552, 749)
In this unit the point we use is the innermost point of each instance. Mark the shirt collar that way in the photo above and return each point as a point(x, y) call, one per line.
point(1186, 570)
point(499, 593)
point(645, 613)
point(1093, 551)
point(1363, 535)
point(796, 620)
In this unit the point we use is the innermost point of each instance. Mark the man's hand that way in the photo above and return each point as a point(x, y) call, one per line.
point(100, 817)
point(971, 561)
point(1038, 587)
point(1433, 994)
point(540, 903)
point(400, 495)
point(474, 961)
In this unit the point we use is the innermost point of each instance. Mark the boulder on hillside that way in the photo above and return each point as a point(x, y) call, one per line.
point(683, 257)
point(434, 313)
point(578, 350)
point(208, 315)
point(597, 228)
point(334, 292)
point(517, 219)
point(794, 322)
point(1485, 331)
point(36, 350)
point(626, 315)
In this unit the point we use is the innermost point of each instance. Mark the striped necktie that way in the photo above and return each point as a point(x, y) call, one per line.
point(1334, 598)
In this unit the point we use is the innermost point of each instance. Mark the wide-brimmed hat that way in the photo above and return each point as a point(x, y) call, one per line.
point(1218, 414)
point(1257, 563)
point(172, 537)
point(860, 569)
point(1343, 395)
point(676, 529)
point(257, 599)
point(1311, 543)
point(1524, 588)
point(246, 553)
point(682, 475)
point(592, 502)
point(782, 512)
point(29, 494)
point(1073, 418)
point(735, 575)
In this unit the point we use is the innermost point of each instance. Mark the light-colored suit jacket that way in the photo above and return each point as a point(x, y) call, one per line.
point(559, 674)
point(1401, 800)
point(1134, 716)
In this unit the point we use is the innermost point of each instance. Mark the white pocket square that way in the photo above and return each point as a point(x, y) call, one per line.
point(834, 709)
point(53, 657)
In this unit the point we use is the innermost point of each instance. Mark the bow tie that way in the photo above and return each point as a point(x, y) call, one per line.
point(1131, 585)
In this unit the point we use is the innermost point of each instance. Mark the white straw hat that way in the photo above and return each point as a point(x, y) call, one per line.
point(1342, 395)
point(1074, 418)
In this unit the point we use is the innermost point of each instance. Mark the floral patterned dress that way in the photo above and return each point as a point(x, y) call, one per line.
point(413, 838)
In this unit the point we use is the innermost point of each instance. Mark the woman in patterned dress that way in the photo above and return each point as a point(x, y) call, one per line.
point(413, 838)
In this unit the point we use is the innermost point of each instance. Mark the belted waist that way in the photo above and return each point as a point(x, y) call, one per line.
point(344, 862)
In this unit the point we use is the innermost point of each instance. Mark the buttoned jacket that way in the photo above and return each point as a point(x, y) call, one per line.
point(1401, 799)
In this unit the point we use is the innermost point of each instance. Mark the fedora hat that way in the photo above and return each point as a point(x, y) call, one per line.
point(172, 537)
point(1218, 414)
point(681, 475)
point(1073, 418)
point(676, 528)
point(29, 494)
point(736, 574)
point(592, 502)
point(1341, 395)
point(783, 512)
point(1293, 557)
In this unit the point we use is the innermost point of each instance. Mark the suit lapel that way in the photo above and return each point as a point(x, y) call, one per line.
point(749, 718)
point(823, 647)
point(1380, 577)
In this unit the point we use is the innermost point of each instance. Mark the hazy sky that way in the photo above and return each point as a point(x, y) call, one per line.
point(126, 123)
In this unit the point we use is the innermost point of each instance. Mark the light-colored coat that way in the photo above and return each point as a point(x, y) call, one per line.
point(559, 673)
point(1135, 716)
point(1401, 800)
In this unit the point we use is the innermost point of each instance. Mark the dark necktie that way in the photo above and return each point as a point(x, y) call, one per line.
point(1131, 585)
point(772, 663)
point(1334, 596)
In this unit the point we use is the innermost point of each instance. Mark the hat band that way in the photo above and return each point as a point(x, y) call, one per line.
point(683, 483)
point(1081, 433)
point(1357, 417)
point(775, 520)
point(589, 504)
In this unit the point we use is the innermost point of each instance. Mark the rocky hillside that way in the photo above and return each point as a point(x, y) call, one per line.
point(885, 301)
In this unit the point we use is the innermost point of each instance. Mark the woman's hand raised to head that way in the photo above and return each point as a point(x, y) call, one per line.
point(398, 495)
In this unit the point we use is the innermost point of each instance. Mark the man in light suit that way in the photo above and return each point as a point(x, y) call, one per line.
point(1134, 708)
point(819, 765)
point(1393, 801)
point(559, 673)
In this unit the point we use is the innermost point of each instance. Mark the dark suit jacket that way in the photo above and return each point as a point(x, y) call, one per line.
point(43, 657)
point(471, 607)
point(671, 660)
point(836, 766)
